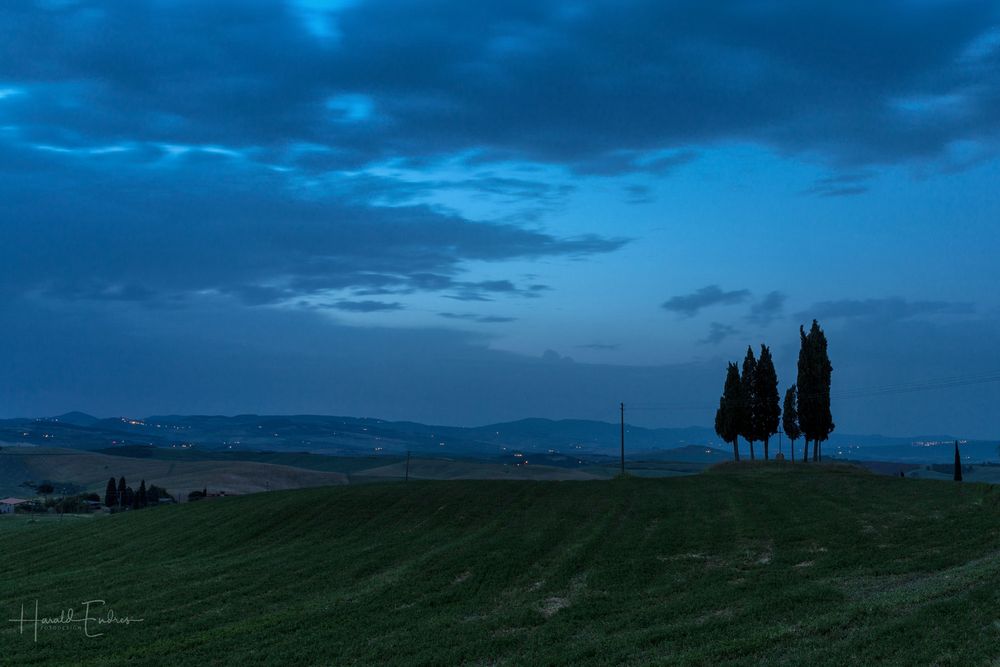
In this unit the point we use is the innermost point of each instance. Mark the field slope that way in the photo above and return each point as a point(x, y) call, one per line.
point(743, 566)
point(91, 471)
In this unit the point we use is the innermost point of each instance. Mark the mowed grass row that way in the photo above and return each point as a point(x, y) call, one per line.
point(750, 565)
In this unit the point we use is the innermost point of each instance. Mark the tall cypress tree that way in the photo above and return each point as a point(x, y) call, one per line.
point(727, 418)
point(813, 382)
point(824, 371)
point(958, 464)
point(767, 408)
point(806, 388)
point(790, 418)
point(111, 494)
point(749, 428)
point(141, 494)
point(121, 491)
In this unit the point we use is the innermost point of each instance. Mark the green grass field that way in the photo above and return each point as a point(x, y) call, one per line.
point(744, 566)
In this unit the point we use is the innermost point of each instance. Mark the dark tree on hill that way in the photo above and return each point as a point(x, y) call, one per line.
point(111, 494)
point(749, 428)
point(154, 493)
point(141, 494)
point(958, 464)
point(814, 374)
point(790, 418)
point(129, 498)
point(767, 408)
point(121, 492)
point(727, 418)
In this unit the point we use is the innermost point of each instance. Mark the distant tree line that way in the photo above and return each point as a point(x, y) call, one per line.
point(749, 406)
point(118, 495)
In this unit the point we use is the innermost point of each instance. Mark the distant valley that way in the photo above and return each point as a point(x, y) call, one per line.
point(250, 453)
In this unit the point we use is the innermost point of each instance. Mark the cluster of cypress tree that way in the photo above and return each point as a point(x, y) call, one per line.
point(749, 406)
point(121, 496)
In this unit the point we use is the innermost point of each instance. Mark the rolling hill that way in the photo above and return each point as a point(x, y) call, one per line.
point(591, 441)
point(741, 565)
point(90, 471)
point(348, 436)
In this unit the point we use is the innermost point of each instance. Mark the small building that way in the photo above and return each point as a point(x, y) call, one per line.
point(7, 505)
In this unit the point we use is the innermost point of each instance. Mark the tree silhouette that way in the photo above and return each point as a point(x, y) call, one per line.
point(766, 407)
point(121, 492)
point(727, 418)
point(814, 373)
point(141, 494)
point(749, 427)
point(958, 464)
point(111, 494)
point(790, 418)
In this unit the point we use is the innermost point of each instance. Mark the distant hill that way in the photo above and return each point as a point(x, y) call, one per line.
point(77, 419)
point(351, 436)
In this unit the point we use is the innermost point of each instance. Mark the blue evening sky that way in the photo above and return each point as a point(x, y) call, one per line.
point(471, 212)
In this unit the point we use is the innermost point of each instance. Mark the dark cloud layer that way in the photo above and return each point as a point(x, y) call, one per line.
point(169, 230)
point(600, 88)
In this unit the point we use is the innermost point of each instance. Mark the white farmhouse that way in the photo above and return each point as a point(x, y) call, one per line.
point(7, 505)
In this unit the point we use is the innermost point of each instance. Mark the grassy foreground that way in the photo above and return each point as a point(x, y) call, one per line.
point(751, 565)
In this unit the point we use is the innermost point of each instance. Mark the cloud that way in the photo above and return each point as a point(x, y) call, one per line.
point(689, 304)
point(842, 185)
point(485, 290)
point(767, 309)
point(633, 162)
point(483, 319)
point(892, 308)
point(553, 357)
point(718, 332)
point(846, 83)
point(639, 194)
point(600, 347)
point(155, 228)
point(366, 306)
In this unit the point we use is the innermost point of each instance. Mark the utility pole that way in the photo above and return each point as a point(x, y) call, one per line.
point(623, 438)
point(407, 478)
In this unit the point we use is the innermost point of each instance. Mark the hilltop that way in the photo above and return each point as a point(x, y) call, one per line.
point(743, 564)
point(588, 440)
point(344, 436)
